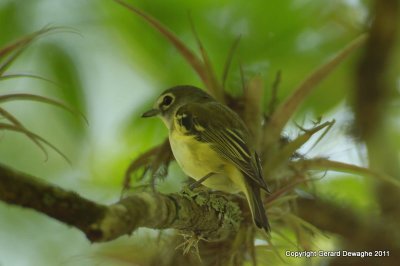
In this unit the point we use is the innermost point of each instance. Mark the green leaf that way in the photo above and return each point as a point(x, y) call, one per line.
point(286, 110)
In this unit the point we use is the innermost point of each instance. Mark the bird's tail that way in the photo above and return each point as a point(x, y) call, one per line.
point(253, 195)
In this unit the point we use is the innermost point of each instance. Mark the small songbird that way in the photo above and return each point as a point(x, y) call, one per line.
point(212, 144)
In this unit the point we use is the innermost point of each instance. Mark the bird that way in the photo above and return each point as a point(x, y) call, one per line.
point(212, 145)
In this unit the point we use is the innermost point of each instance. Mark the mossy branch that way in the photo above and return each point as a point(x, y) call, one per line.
point(212, 216)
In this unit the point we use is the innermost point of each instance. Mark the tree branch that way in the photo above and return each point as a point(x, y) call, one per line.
point(375, 94)
point(212, 216)
point(359, 232)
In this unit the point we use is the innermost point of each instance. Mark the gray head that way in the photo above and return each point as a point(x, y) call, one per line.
point(170, 100)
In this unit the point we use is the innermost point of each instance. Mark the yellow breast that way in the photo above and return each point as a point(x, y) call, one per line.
point(197, 159)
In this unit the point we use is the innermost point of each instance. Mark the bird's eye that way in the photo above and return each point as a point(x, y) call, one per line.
point(167, 100)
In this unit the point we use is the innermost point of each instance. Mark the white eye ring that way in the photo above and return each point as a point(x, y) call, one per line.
point(166, 100)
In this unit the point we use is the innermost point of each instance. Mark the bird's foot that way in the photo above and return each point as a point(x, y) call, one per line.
point(197, 183)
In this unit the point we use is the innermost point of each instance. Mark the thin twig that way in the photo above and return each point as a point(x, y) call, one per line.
point(228, 61)
point(274, 93)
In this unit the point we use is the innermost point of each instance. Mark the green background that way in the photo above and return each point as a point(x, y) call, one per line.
point(112, 65)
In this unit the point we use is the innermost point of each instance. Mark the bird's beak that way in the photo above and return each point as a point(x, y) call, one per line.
point(150, 113)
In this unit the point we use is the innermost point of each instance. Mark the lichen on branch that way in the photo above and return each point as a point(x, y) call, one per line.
point(211, 216)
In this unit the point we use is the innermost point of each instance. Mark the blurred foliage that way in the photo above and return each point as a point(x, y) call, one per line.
point(292, 36)
point(114, 68)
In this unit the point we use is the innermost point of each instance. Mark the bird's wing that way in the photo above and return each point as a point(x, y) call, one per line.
point(223, 129)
